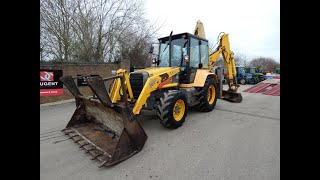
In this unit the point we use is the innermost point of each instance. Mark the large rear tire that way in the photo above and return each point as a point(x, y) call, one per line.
point(252, 81)
point(172, 109)
point(208, 95)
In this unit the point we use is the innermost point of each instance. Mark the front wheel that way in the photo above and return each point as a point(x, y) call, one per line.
point(172, 109)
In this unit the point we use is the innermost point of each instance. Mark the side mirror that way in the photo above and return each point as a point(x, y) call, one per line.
point(151, 49)
point(186, 57)
point(155, 61)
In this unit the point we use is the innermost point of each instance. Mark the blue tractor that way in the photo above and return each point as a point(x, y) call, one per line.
point(242, 76)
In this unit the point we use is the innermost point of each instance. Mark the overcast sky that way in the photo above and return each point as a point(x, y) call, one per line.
point(253, 25)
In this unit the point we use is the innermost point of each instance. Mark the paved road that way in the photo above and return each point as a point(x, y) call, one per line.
point(234, 141)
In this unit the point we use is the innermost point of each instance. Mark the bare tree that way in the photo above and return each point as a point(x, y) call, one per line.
point(239, 60)
point(265, 64)
point(55, 21)
point(93, 31)
point(135, 47)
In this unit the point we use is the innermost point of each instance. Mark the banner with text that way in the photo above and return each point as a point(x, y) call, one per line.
point(50, 84)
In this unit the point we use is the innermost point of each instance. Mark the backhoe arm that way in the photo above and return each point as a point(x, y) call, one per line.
point(228, 58)
point(227, 54)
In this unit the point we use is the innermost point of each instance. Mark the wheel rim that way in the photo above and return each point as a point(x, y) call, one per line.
point(211, 94)
point(242, 81)
point(178, 110)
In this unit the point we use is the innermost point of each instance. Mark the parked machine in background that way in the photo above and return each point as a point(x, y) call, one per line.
point(258, 77)
point(242, 76)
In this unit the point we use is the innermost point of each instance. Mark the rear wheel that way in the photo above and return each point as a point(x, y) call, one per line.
point(252, 81)
point(224, 81)
point(172, 109)
point(208, 95)
point(242, 81)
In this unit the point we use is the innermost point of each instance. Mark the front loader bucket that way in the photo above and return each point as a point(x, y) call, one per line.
point(110, 132)
point(231, 96)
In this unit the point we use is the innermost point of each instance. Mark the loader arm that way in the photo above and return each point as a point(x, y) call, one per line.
point(151, 85)
point(116, 87)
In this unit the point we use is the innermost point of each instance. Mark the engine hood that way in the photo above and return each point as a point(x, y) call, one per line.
point(248, 75)
point(155, 70)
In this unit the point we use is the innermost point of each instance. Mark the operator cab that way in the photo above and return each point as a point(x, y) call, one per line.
point(251, 70)
point(187, 51)
point(241, 72)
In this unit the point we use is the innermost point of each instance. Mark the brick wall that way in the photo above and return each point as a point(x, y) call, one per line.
point(104, 70)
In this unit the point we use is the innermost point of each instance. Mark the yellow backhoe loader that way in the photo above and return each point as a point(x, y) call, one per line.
point(106, 124)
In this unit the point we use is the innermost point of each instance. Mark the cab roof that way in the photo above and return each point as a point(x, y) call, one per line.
point(179, 36)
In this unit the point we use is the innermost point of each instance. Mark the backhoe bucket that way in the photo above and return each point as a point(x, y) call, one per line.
point(231, 96)
point(110, 132)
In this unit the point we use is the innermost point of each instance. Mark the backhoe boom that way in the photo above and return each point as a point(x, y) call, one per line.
point(228, 56)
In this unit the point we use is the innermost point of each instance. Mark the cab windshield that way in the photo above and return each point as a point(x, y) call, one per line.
point(178, 48)
point(241, 71)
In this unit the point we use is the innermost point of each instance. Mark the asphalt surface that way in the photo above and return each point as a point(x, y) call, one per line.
point(234, 141)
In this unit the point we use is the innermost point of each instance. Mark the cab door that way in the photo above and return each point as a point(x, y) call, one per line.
point(199, 56)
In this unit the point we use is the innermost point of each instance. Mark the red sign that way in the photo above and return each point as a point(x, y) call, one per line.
point(46, 76)
point(50, 84)
point(51, 92)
